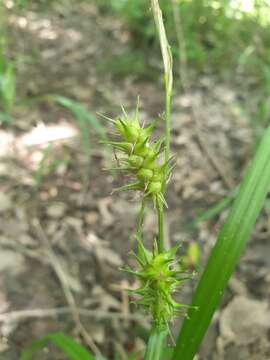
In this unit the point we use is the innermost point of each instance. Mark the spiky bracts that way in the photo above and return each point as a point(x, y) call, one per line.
point(160, 275)
point(140, 157)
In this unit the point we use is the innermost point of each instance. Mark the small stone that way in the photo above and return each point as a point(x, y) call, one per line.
point(91, 217)
point(12, 262)
point(56, 210)
point(244, 321)
point(5, 202)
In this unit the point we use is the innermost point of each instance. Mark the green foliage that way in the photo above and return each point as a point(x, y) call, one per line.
point(191, 259)
point(217, 34)
point(120, 65)
point(156, 348)
point(70, 347)
point(87, 122)
point(214, 210)
point(38, 176)
point(47, 165)
point(7, 86)
point(229, 246)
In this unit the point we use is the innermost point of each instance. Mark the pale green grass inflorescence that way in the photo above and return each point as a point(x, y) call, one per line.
point(140, 157)
point(160, 276)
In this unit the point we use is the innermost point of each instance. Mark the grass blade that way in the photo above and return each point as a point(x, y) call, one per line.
point(63, 342)
point(81, 113)
point(214, 210)
point(7, 87)
point(39, 174)
point(156, 345)
point(225, 255)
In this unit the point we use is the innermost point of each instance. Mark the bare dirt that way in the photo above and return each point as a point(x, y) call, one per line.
point(63, 236)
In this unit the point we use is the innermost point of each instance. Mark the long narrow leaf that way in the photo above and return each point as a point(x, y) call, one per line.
point(214, 210)
point(156, 345)
point(225, 255)
point(81, 113)
point(65, 343)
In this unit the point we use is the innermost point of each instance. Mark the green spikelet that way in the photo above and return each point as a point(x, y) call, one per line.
point(140, 157)
point(160, 276)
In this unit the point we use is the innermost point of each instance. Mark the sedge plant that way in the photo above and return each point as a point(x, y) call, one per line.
point(149, 164)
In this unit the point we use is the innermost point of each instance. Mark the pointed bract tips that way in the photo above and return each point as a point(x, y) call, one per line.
point(160, 277)
point(140, 156)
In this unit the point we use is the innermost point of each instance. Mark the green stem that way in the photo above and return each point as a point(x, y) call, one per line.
point(160, 212)
point(156, 344)
point(168, 125)
point(140, 220)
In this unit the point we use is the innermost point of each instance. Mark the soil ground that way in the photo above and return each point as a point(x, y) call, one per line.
point(63, 236)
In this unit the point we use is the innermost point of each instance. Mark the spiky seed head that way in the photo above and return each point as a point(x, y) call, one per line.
point(135, 161)
point(160, 277)
point(140, 156)
point(154, 187)
point(145, 174)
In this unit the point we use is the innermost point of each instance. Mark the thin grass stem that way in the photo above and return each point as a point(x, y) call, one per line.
point(140, 219)
point(156, 344)
point(168, 126)
point(160, 212)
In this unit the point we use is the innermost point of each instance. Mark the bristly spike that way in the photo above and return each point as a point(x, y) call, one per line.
point(137, 109)
point(132, 186)
point(162, 199)
point(124, 112)
point(106, 118)
point(158, 283)
point(141, 157)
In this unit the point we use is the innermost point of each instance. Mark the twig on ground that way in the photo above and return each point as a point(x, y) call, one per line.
point(21, 315)
point(65, 287)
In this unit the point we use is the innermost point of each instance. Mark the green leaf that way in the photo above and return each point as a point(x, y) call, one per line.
point(214, 210)
point(63, 342)
point(81, 113)
point(85, 119)
point(7, 87)
point(5, 118)
point(227, 251)
point(38, 175)
point(156, 344)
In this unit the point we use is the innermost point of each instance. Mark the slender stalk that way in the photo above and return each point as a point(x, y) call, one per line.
point(168, 125)
point(157, 340)
point(160, 212)
point(156, 344)
point(140, 219)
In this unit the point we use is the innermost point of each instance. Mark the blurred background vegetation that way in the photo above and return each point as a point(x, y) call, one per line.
point(62, 62)
point(229, 39)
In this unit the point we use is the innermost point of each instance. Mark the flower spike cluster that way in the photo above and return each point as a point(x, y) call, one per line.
point(160, 275)
point(140, 157)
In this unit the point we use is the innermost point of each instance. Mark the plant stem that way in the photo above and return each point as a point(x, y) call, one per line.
point(156, 344)
point(168, 125)
point(160, 212)
point(140, 219)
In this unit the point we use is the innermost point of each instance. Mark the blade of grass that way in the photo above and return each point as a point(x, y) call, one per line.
point(225, 255)
point(81, 113)
point(214, 210)
point(65, 343)
point(38, 175)
point(7, 86)
point(156, 344)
